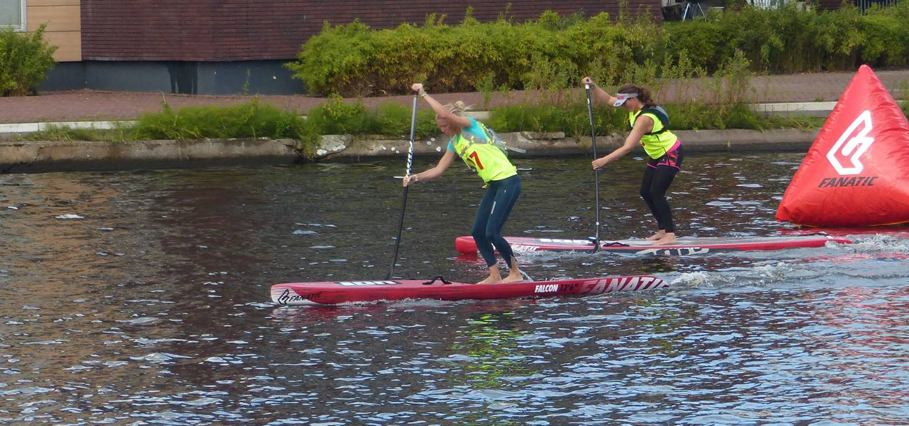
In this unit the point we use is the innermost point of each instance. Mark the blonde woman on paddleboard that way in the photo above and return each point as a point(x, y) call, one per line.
point(484, 153)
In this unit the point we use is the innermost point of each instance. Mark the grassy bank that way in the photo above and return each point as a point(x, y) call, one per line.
point(258, 120)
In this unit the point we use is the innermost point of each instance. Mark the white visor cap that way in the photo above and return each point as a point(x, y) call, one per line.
point(620, 98)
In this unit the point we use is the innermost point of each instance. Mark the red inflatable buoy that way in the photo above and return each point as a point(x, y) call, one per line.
point(857, 171)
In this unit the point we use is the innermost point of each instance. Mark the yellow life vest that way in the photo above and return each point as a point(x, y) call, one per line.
point(483, 155)
point(659, 140)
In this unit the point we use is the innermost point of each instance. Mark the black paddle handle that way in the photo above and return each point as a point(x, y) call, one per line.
point(413, 125)
point(596, 172)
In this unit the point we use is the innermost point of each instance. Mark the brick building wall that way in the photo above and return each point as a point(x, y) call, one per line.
point(237, 30)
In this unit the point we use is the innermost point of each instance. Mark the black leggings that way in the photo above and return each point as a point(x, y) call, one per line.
point(657, 177)
point(491, 216)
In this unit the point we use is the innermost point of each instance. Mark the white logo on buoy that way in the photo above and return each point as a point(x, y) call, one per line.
point(852, 147)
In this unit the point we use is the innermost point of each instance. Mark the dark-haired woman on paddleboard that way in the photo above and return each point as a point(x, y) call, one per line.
point(649, 127)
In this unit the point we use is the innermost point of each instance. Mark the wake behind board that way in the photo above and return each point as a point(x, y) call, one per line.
point(684, 247)
point(329, 293)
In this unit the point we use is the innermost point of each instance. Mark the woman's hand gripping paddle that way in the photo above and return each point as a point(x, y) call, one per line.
point(413, 125)
point(596, 172)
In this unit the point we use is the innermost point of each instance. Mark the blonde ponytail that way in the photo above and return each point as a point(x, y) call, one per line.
point(458, 108)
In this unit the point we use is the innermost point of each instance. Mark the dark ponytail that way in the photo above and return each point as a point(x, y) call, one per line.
point(646, 97)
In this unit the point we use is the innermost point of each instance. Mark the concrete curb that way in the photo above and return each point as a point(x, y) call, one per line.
point(31, 157)
point(24, 128)
point(557, 144)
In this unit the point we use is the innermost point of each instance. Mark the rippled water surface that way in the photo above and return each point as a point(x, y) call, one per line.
point(142, 297)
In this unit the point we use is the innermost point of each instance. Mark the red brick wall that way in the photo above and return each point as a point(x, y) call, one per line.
point(228, 30)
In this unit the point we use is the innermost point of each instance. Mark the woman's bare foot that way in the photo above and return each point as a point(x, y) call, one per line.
point(513, 277)
point(667, 239)
point(657, 236)
point(494, 276)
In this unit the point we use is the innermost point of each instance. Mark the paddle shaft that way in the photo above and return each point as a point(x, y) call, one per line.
point(596, 172)
point(413, 125)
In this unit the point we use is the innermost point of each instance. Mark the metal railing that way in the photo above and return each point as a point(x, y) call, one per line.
point(864, 5)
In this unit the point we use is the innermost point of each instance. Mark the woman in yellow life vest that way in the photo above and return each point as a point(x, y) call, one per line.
point(477, 146)
point(649, 127)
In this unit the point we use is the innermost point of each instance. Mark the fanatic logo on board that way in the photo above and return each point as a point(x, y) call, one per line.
point(851, 148)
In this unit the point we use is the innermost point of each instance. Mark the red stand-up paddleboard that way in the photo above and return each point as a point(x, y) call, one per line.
point(329, 293)
point(684, 247)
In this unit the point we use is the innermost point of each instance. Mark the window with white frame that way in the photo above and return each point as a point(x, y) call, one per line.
point(12, 14)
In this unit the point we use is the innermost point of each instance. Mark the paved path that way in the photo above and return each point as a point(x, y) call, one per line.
point(94, 105)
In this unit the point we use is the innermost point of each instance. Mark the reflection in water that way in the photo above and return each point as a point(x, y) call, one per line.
point(860, 337)
point(143, 297)
point(492, 343)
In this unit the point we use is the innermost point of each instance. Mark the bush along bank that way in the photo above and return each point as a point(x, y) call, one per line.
point(24, 61)
point(556, 51)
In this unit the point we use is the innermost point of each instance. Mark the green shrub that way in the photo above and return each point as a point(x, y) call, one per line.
point(704, 42)
point(904, 89)
point(886, 40)
point(393, 119)
point(343, 48)
point(24, 61)
point(572, 119)
point(249, 120)
point(65, 133)
point(336, 117)
point(553, 53)
point(354, 60)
